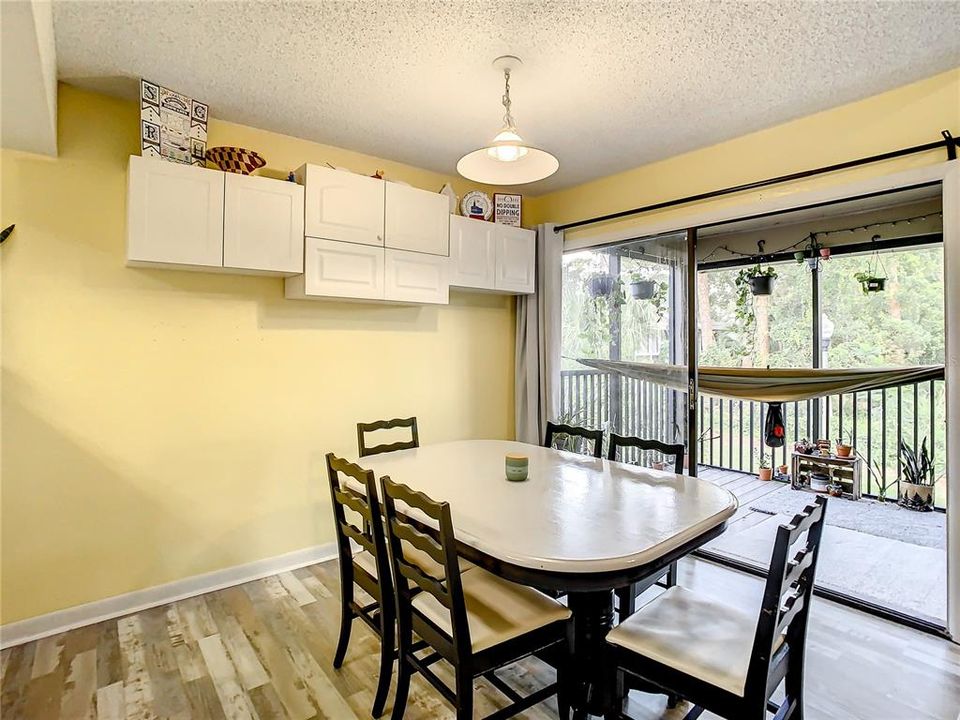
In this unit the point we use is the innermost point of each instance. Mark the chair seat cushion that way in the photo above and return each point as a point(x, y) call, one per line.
point(497, 610)
point(696, 635)
point(417, 557)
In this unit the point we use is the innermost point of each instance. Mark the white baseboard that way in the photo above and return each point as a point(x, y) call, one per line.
point(16, 633)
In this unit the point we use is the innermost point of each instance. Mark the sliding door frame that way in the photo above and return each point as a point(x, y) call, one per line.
point(947, 175)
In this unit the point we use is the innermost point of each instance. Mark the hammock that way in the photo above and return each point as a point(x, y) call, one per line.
point(772, 385)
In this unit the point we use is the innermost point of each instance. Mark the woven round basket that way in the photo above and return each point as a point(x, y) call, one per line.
point(235, 160)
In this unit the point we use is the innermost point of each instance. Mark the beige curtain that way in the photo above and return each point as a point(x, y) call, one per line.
point(772, 384)
point(537, 373)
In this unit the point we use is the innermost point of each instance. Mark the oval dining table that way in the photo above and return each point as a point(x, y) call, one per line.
point(581, 525)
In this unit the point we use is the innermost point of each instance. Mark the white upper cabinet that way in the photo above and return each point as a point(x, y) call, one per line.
point(516, 260)
point(334, 269)
point(195, 218)
point(338, 269)
point(473, 258)
point(416, 277)
point(416, 220)
point(262, 224)
point(341, 205)
point(174, 214)
point(490, 256)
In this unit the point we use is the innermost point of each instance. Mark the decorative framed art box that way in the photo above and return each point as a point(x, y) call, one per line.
point(172, 126)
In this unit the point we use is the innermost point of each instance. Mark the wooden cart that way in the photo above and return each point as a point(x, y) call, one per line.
point(843, 470)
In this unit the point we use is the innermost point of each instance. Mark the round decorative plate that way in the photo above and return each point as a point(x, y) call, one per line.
point(477, 204)
point(235, 160)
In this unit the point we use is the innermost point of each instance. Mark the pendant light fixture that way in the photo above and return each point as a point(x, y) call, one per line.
point(507, 160)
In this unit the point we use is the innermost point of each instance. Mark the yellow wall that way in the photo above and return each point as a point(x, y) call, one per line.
point(910, 115)
point(157, 424)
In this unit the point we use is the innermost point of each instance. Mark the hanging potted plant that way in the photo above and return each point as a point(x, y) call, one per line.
point(874, 278)
point(759, 280)
point(917, 480)
point(640, 287)
point(600, 284)
point(869, 283)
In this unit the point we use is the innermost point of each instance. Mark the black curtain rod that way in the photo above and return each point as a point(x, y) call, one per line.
point(948, 142)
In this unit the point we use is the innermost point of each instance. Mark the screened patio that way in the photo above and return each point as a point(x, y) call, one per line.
point(878, 555)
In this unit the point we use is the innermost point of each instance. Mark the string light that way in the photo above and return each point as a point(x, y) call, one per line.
point(813, 236)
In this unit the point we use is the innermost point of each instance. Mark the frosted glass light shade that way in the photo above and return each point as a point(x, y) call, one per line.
point(507, 152)
point(507, 146)
point(483, 167)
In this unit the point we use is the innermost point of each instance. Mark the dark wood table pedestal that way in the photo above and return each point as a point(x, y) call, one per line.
point(597, 691)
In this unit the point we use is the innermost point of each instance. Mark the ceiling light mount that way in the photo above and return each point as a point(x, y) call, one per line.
point(507, 160)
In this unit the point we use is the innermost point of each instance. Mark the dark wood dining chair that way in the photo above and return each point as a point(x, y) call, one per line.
point(364, 428)
point(575, 431)
point(721, 658)
point(369, 569)
point(627, 597)
point(474, 620)
point(676, 451)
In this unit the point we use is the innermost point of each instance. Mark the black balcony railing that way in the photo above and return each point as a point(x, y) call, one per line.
point(625, 405)
point(731, 431)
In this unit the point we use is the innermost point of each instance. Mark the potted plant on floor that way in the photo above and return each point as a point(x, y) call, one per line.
point(883, 484)
point(766, 472)
point(844, 449)
point(704, 436)
point(917, 480)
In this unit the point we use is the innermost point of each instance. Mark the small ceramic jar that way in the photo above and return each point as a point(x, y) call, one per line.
point(517, 467)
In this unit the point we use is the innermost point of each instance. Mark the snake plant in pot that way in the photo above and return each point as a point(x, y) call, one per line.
point(917, 479)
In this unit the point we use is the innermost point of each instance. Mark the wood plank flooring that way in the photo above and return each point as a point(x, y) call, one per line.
point(264, 649)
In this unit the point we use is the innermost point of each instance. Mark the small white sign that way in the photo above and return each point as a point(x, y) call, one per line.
point(506, 209)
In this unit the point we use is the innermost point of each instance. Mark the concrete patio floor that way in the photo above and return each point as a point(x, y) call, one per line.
point(902, 576)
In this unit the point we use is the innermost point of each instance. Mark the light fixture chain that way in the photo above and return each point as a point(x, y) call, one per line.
point(507, 118)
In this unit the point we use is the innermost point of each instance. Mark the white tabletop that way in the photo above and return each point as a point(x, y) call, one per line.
point(573, 514)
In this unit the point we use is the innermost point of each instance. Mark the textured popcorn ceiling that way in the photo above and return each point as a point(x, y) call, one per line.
point(605, 85)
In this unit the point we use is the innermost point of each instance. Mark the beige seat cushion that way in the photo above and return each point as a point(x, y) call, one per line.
point(415, 556)
point(497, 610)
point(699, 636)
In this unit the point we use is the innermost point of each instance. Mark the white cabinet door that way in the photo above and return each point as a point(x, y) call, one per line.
point(338, 269)
point(516, 259)
point(263, 224)
point(416, 277)
point(473, 253)
point(416, 220)
point(341, 205)
point(174, 214)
